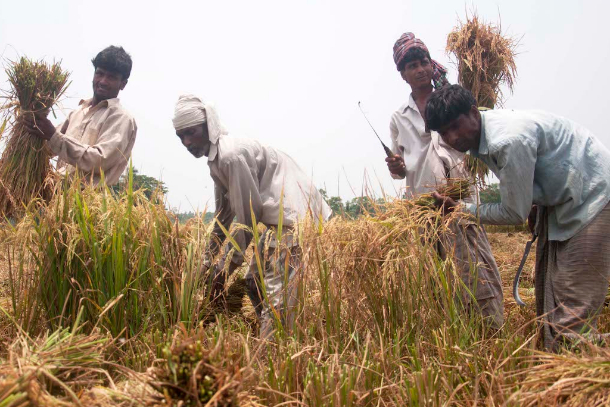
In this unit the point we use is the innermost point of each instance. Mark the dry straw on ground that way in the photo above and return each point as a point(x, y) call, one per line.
point(35, 87)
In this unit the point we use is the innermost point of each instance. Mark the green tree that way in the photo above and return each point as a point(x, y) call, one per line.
point(490, 194)
point(184, 216)
point(140, 181)
point(334, 202)
point(359, 206)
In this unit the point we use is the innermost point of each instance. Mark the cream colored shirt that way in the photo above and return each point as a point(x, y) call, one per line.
point(95, 140)
point(251, 178)
point(427, 157)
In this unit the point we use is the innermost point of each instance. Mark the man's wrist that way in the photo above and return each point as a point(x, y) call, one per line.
point(470, 208)
point(55, 141)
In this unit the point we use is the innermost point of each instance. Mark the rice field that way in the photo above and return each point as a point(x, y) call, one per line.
point(103, 304)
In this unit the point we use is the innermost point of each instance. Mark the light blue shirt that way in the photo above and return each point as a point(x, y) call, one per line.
point(547, 160)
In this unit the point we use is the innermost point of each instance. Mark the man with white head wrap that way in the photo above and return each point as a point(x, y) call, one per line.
point(252, 183)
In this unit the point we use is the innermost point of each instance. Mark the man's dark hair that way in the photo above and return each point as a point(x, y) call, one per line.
point(114, 59)
point(447, 104)
point(413, 54)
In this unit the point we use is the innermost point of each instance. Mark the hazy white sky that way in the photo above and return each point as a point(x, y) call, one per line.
point(290, 73)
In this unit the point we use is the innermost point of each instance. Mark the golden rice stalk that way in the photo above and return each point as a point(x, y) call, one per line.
point(477, 168)
point(485, 59)
point(24, 166)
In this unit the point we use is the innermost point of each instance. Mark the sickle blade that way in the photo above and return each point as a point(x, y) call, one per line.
point(518, 300)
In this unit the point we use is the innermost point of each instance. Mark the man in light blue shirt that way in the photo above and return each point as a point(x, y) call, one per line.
point(560, 166)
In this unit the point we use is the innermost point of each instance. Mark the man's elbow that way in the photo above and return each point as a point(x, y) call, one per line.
point(515, 218)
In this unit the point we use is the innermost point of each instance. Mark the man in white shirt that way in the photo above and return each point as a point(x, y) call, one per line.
point(425, 160)
point(99, 135)
point(563, 168)
point(253, 183)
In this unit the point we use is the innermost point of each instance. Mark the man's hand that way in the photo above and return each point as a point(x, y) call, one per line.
point(447, 204)
point(396, 165)
point(39, 125)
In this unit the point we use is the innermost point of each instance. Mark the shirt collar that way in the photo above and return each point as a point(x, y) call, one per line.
point(410, 104)
point(107, 102)
point(483, 146)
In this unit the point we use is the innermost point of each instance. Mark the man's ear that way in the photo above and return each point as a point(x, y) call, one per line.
point(124, 83)
point(474, 112)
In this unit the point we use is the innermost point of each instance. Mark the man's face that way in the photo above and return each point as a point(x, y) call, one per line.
point(195, 139)
point(463, 133)
point(417, 73)
point(107, 84)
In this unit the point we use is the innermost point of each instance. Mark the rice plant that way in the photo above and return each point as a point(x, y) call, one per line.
point(35, 87)
point(120, 257)
point(381, 317)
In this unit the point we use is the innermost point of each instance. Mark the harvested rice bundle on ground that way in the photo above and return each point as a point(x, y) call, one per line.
point(568, 379)
point(36, 87)
point(485, 60)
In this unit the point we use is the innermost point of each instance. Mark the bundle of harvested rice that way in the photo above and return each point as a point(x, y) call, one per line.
point(455, 188)
point(36, 87)
point(485, 61)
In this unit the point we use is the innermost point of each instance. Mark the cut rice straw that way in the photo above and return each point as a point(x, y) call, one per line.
point(24, 166)
point(485, 59)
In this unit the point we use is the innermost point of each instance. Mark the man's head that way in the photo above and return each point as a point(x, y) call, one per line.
point(415, 65)
point(452, 111)
point(191, 125)
point(112, 69)
point(416, 68)
point(196, 139)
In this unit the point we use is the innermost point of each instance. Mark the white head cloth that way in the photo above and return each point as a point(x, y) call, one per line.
point(191, 111)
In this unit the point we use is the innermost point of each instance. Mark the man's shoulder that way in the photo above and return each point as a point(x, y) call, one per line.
point(231, 148)
point(117, 109)
point(401, 109)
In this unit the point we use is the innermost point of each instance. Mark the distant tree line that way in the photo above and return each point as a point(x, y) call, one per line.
point(490, 194)
point(353, 208)
point(149, 185)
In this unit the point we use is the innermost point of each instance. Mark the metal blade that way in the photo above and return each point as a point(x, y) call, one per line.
point(518, 300)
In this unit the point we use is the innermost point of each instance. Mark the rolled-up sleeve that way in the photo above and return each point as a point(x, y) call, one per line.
point(113, 145)
point(516, 161)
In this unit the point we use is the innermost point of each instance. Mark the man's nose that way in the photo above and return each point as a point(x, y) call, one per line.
point(186, 141)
